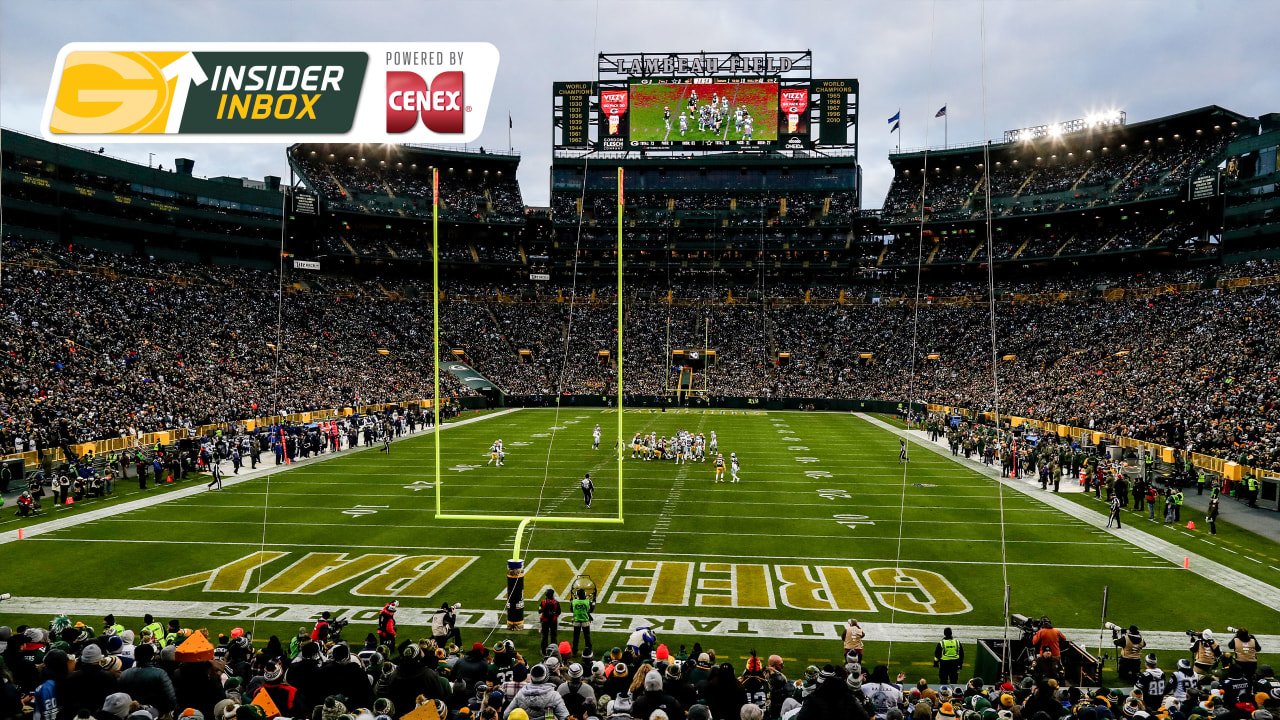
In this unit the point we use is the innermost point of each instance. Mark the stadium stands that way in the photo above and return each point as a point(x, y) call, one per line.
point(757, 258)
point(1163, 388)
point(1087, 169)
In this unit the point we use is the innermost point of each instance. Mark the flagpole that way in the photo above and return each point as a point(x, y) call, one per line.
point(509, 145)
point(946, 116)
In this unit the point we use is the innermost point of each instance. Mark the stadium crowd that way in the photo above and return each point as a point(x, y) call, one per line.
point(1024, 183)
point(105, 346)
point(366, 186)
point(69, 670)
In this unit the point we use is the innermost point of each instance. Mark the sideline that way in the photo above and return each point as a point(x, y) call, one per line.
point(813, 627)
point(198, 487)
point(1233, 580)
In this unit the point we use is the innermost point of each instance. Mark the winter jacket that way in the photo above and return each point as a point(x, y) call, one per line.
point(536, 699)
point(85, 689)
point(149, 685)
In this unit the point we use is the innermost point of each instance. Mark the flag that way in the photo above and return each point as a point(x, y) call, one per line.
point(509, 125)
point(894, 119)
point(895, 127)
point(942, 112)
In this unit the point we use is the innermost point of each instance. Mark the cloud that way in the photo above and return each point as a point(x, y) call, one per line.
point(1045, 61)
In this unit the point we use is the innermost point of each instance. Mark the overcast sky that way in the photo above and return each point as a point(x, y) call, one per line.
point(1046, 60)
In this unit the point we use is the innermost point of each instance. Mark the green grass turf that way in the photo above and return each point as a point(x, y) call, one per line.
point(800, 472)
point(1233, 546)
point(647, 103)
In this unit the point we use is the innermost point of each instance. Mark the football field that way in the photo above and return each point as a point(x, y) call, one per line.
point(824, 525)
point(647, 103)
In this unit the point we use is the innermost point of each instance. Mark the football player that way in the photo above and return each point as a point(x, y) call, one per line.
point(714, 445)
point(595, 438)
point(494, 456)
point(733, 467)
point(719, 465)
point(588, 489)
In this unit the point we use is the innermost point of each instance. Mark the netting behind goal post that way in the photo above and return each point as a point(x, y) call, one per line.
point(515, 565)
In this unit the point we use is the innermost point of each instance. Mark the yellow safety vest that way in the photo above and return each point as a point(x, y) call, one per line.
point(950, 650)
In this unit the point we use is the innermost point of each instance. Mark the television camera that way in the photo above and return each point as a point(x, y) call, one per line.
point(335, 628)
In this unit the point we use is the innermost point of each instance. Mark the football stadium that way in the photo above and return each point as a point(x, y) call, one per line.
point(707, 432)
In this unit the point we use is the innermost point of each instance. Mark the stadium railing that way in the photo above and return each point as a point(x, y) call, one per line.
point(168, 437)
point(1233, 472)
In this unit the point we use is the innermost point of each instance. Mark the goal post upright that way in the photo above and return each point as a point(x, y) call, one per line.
point(618, 401)
point(435, 314)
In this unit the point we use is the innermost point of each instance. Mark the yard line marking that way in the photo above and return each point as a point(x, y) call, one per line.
point(507, 548)
point(227, 481)
point(629, 500)
point(701, 533)
point(1218, 573)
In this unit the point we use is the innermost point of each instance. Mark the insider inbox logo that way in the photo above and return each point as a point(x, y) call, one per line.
point(271, 92)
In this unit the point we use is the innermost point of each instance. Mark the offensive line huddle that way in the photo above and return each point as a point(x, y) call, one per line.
point(683, 448)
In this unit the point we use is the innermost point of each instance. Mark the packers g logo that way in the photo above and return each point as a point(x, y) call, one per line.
point(115, 92)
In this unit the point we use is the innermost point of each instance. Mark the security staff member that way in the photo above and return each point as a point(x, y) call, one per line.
point(1251, 483)
point(149, 623)
point(948, 657)
point(1131, 644)
point(549, 613)
point(1200, 482)
point(109, 623)
point(1177, 506)
point(582, 608)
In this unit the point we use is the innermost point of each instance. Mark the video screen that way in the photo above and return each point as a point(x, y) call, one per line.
point(703, 112)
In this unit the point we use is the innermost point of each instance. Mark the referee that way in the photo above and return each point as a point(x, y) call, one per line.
point(1115, 512)
point(588, 489)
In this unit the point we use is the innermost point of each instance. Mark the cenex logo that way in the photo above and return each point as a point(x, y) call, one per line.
point(440, 105)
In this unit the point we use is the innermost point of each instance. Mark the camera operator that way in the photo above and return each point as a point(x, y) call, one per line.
point(444, 625)
point(1049, 637)
point(1205, 651)
point(320, 633)
point(387, 624)
point(1131, 645)
point(1244, 649)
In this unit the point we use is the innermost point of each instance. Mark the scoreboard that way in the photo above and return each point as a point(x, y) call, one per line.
point(765, 101)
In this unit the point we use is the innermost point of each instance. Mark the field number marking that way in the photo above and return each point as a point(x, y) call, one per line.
point(853, 521)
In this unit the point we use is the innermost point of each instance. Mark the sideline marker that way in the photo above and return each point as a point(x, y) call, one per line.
point(1186, 563)
point(19, 533)
point(1191, 524)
